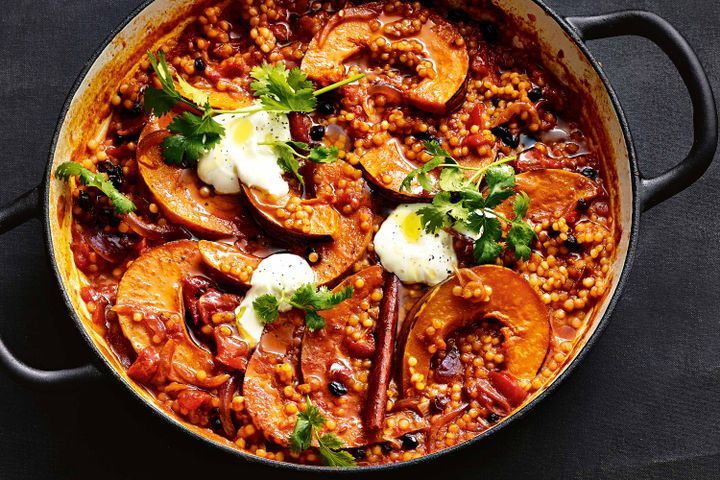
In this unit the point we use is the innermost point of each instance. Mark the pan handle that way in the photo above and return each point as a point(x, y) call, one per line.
point(21, 210)
point(705, 123)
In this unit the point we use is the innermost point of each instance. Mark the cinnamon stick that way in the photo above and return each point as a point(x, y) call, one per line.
point(386, 332)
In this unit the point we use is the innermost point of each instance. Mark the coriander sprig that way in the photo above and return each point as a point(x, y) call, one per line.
point(306, 428)
point(121, 203)
point(308, 298)
point(288, 151)
point(461, 206)
point(278, 90)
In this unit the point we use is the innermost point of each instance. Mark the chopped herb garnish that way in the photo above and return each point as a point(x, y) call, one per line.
point(459, 205)
point(194, 135)
point(308, 298)
point(288, 152)
point(120, 202)
point(306, 428)
point(278, 90)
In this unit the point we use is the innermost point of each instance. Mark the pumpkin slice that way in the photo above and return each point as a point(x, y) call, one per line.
point(292, 216)
point(151, 311)
point(346, 188)
point(513, 303)
point(332, 363)
point(386, 168)
point(177, 190)
point(273, 367)
point(229, 262)
point(349, 32)
point(553, 193)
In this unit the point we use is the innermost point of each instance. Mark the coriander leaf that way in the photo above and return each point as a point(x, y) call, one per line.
point(452, 204)
point(307, 420)
point(266, 308)
point(121, 203)
point(182, 151)
point(306, 428)
point(522, 202)
point(500, 180)
point(304, 295)
point(440, 156)
point(327, 299)
point(158, 101)
point(322, 154)
point(309, 296)
point(282, 90)
point(287, 161)
point(192, 125)
point(487, 248)
point(422, 175)
point(195, 135)
point(521, 235)
point(161, 100)
point(314, 321)
point(435, 149)
point(329, 446)
point(432, 219)
point(301, 438)
point(196, 95)
point(330, 440)
point(453, 180)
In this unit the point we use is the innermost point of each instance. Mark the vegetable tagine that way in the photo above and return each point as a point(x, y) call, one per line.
point(342, 233)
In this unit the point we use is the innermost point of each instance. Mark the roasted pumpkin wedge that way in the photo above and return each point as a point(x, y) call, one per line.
point(386, 168)
point(293, 216)
point(553, 193)
point(345, 187)
point(177, 190)
point(333, 362)
point(349, 32)
point(229, 262)
point(151, 312)
point(271, 376)
point(512, 302)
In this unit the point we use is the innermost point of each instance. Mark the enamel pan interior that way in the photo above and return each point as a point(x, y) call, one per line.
point(86, 110)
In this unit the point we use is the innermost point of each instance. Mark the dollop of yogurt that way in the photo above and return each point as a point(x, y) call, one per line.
point(279, 275)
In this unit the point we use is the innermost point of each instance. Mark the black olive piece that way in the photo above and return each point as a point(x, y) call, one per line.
point(553, 233)
point(216, 424)
point(534, 94)
point(582, 205)
point(426, 137)
point(337, 389)
point(572, 244)
point(503, 133)
point(84, 201)
point(386, 447)
point(199, 65)
point(409, 441)
point(495, 101)
point(325, 108)
point(489, 32)
point(358, 453)
point(493, 417)
point(114, 172)
point(317, 132)
point(589, 172)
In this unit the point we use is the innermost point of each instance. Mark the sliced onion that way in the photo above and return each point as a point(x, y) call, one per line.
point(153, 231)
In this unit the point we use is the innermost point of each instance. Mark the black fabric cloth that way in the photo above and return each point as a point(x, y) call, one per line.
point(645, 403)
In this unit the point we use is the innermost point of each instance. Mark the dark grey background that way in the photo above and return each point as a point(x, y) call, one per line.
point(645, 403)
